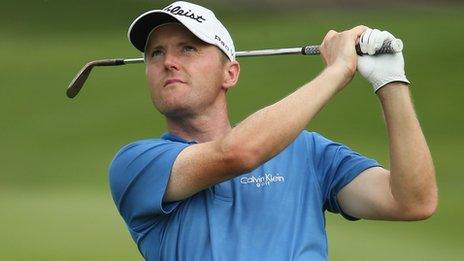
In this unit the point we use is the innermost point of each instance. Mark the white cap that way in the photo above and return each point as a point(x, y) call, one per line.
point(200, 21)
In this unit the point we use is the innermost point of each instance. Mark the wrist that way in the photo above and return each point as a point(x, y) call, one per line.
point(393, 90)
point(386, 80)
point(340, 74)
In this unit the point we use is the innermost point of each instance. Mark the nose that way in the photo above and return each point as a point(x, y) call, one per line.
point(171, 61)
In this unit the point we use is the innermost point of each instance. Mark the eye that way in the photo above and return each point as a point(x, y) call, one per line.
point(189, 49)
point(156, 53)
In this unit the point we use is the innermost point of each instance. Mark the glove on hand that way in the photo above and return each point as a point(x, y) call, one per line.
point(379, 70)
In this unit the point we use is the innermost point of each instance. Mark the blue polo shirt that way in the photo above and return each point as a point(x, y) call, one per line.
point(275, 212)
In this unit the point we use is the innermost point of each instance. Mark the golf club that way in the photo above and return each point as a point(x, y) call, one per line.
point(76, 84)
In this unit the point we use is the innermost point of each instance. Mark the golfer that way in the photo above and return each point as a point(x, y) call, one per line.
point(207, 190)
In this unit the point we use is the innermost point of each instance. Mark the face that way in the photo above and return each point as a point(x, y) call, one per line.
point(185, 75)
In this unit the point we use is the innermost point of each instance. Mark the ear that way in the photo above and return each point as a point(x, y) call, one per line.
point(231, 74)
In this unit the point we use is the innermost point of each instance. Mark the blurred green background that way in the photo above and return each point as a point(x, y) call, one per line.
point(54, 197)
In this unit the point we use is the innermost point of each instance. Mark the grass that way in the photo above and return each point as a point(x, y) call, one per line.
point(55, 151)
point(62, 224)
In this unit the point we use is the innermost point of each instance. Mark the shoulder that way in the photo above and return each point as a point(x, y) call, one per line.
point(146, 143)
point(137, 155)
point(320, 148)
point(136, 159)
point(313, 139)
point(147, 146)
point(313, 136)
point(306, 145)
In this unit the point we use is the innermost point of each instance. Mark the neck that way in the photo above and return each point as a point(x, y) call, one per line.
point(204, 127)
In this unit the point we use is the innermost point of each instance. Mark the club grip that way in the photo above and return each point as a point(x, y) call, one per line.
point(389, 46)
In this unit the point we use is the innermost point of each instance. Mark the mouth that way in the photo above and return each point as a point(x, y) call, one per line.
point(171, 81)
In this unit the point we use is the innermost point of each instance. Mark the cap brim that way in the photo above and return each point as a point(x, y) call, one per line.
point(142, 26)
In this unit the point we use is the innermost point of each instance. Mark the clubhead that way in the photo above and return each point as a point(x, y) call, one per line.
point(76, 84)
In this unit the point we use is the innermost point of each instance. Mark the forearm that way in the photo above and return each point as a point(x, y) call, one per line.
point(412, 180)
point(269, 130)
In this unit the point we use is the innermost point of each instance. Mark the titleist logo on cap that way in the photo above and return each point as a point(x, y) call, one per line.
point(177, 10)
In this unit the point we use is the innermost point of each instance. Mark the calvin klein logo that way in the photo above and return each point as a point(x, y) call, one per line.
point(261, 181)
point(177, 10)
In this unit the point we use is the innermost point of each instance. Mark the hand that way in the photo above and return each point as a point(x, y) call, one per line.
point(382, 69)
point(338, 51)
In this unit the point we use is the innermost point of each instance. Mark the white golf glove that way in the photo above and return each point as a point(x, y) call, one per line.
point(381, 69)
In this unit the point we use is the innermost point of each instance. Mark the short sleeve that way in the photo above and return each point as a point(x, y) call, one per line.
point(138, 176)
point(335, 165)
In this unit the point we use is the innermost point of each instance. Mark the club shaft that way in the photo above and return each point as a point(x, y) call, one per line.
point(76, 84)
point(266, 52)
point(388, 47)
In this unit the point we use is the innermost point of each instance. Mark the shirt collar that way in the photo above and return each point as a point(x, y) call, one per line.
point(172, 137)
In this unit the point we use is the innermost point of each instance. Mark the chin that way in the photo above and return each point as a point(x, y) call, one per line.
point(173, 110)
point(177, 113)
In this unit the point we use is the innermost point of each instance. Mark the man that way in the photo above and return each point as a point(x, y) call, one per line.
point(258, 191)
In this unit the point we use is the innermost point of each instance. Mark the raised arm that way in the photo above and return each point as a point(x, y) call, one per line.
point(407, 191)
point(412, 172)
point(261, 136)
